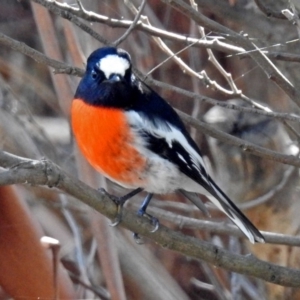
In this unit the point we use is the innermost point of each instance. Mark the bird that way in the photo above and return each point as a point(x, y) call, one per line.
point(132, 136)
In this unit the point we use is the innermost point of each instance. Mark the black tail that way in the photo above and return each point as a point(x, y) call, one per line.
point(233, 212)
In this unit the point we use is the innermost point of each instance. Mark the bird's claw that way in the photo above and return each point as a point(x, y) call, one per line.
point(119, 201)
point(117, 220)
point(154, 221)
point(115, 199)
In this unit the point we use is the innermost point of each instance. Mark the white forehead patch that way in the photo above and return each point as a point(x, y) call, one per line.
point(113, 64)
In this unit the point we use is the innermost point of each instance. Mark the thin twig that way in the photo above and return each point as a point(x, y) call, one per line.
point(132, 26)
point(268, 10)
point(263, 110)
point(211, 273)
point(167, 59)
point(215, 43)
point(291, 57)
point(62, 8)
point(99, 291)
point(80, 258)
point(163, 46)
point(187, 69)
point(58, 66)
point(80, 6)
point(292, 16)
point(220, 227)
point(235, 280)
point(214, 61)
point(271, 193)
point(72, 18)
point(258, 56)
point(246, 146)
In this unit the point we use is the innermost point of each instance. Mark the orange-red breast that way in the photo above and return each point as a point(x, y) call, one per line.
point(135, 138)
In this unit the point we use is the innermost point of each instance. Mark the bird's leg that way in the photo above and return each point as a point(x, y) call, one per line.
point(142, 212)
point(120, 201)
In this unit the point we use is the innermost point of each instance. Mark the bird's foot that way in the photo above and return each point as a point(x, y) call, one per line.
point(154, 221)
point(120, 201)
point(110, 196)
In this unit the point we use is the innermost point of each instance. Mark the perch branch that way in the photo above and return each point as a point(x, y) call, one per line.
point(44, 172)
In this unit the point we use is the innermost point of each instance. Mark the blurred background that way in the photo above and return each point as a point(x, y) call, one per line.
point(101, 262)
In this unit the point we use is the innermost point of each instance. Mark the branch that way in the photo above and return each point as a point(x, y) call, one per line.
point(244, 145)
point(132, 26)
point(291, 57)
point(220, 227)
point(268, 11)
point(259, 108)
point(272, 192)
point(45, 172)
point(258, 56)
point(61, 8)
point(211, 57)
point(59, 67)
point(267, 112)
point(261, 59)
point(72, 18)
point(215, 43)
point(292, 15)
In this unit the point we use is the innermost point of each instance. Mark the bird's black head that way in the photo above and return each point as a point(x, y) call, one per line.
point(108, 80)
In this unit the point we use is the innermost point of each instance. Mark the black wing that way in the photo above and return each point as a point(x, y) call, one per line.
point(167, 137)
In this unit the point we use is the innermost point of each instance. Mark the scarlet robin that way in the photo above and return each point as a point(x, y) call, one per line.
point(135, 138)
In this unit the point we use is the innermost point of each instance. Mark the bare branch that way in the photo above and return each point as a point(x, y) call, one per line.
point(271, 193)
point(99, 291)
point(214, 61)
point(291, 57)
point(266, 112)
point(61, 8)
point(258, 56)
point(244, 145)
point(46, 173)
point(268, 11)
point(292, 16)
point(72, 18)
point(58, 66)
point(215, 43)
point(132, 26)
point(220, 228)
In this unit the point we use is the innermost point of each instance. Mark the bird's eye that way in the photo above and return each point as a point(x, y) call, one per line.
point(94, 74)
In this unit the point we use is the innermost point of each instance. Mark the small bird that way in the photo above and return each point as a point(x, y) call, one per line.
point(134, 137)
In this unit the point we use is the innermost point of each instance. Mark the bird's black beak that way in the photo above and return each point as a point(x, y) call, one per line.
point(115, 78)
